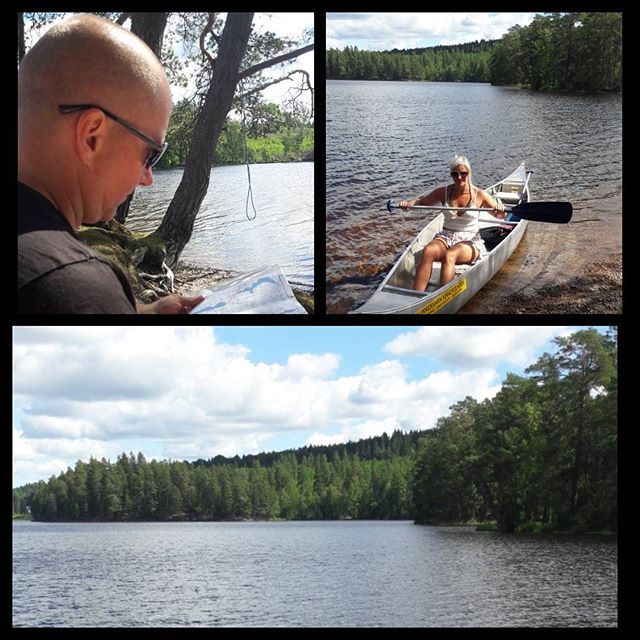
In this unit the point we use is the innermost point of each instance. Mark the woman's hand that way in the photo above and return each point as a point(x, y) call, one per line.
point(499, 210)
point(405, 205)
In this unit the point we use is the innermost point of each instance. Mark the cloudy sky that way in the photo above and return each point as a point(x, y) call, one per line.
point(383, 31)
point(188, 393)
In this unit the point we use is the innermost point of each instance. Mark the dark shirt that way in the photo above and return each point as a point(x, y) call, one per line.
point(57, 272)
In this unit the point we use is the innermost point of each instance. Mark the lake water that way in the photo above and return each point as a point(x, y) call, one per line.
point(394, 140)
point(387, 574)
point(223, 236)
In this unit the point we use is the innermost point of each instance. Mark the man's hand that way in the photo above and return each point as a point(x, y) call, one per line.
point(173, 303)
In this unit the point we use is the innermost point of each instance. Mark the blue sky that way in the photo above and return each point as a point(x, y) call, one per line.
point(395, 30)
point(196, 392)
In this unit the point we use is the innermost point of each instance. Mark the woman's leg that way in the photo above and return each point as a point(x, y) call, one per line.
point(461, 253)
point(434, 251)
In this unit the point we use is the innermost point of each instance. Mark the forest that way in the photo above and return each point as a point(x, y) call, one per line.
point(261, 133)
point(575, 51)
point(466, 63)
point(539, 456)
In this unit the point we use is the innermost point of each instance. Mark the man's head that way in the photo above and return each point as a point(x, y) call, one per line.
point(88, 159)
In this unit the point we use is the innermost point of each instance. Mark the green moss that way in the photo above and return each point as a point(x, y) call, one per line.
point(305, 299)
point(116, 243)
point(130, 251)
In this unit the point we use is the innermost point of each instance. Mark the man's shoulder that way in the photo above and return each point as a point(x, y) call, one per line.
point(43, 251)
point(90, 286)
point(58, 273)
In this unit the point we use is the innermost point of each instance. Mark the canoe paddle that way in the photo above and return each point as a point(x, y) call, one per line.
point(555, 212)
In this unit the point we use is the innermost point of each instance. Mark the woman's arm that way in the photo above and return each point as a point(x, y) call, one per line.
point(435, 197)
point(487, 201)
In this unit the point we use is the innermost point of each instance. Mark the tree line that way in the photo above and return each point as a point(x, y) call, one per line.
point(292, 486)
point(467, 62)
point(575, 51)
point(540, 455)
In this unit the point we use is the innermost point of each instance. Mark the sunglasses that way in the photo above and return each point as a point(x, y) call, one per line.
point(154, 154)
point(459, 174)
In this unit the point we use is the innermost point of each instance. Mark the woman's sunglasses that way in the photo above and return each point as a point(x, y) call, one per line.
point(459, 174)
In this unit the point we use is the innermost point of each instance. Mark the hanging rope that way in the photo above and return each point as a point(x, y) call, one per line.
point(246, 159)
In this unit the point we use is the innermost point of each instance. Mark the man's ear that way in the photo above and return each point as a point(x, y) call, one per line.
point(90, 132)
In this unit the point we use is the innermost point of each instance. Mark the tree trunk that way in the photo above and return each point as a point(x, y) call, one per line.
point(576, 472)
point(150, 28)
point(177, 224)
point(123, 210)
point(21, 46)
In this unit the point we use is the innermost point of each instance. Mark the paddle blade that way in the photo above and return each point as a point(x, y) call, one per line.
point(554, 212)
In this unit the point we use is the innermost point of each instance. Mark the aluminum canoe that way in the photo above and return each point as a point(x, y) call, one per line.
point(396, 294)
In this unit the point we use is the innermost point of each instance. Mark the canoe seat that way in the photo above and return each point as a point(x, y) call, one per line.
point(509, 197)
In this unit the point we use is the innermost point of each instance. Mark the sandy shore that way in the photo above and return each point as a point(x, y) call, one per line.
point(597, 290)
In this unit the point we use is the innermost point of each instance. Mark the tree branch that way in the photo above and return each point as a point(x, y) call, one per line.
point(300, 90)
point(277, 60)
point(208, 28)
point(272, 82)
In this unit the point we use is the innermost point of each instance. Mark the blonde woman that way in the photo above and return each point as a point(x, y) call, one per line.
point(459, 242)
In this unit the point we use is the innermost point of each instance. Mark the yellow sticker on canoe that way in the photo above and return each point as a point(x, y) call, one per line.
point(433, 306)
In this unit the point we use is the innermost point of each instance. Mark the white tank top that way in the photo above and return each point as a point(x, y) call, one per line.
point(468, 221)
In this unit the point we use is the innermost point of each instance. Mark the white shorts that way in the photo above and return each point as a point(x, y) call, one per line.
point(451, 238)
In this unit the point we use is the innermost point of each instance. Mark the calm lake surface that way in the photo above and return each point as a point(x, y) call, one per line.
point(394, 140)
point(307, 574)
point(223, 237)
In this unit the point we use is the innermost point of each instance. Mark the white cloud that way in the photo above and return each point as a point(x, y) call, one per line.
point(39, 458)
point(385, 31)
point(99, 392)
point(300, 365)
point(42, 426)
point(366, 429)
point(471, 346)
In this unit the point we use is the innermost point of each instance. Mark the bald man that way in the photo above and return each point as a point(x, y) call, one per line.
point(93, 109)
